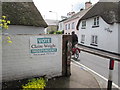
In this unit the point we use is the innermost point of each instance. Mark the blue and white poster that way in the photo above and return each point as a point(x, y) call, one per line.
point(42, 45)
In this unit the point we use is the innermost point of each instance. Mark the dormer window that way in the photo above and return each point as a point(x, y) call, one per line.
point(96, 22)
point(83, 24)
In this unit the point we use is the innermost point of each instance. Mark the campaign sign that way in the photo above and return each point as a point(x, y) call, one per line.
point(43, 45)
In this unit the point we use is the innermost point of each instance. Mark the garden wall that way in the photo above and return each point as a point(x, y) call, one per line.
point(31, 56)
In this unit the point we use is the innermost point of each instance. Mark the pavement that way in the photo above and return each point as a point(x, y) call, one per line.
point(79, 78)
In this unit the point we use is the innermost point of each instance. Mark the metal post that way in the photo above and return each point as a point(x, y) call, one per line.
point(111, 67)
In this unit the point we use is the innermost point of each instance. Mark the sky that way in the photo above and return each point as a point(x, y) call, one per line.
point(59, 7)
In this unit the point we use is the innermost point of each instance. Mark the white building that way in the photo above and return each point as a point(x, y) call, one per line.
point(61, 25)
point(98, 28)
point(24, 17)
point(71, 22)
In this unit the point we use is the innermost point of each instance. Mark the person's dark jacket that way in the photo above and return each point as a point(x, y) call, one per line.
point(74, 39)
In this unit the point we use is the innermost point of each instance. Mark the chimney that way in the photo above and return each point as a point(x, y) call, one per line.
point(88, 4)
point(70, 14)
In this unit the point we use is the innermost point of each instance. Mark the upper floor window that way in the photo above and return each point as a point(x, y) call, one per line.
point(83, 24)
point(94, 40)
point(68, 26)
point(73, 25)
point(96, 22)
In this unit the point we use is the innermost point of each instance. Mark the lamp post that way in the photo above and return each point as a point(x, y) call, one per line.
point(56, 14)
point(56, 18)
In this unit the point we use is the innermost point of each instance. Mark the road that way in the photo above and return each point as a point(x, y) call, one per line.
point(99, 65)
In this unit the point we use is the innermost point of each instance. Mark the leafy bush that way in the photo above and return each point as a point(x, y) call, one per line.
point(4, 25)
point(4, 22)
point(35, 83)
point(51, 32)
point(56, 32)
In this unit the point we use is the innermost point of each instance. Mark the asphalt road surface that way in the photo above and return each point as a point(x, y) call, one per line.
point(99, 65)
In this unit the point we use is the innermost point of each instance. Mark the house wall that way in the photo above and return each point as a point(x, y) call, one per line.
point(61, 26)
point(69, 31)
point(106, 40)
point(0, 61)
point(18, 29)
point(19, 63)
point(118, 38)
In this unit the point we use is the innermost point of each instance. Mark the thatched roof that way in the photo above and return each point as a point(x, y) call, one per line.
point(109, 11)
point(23, 13)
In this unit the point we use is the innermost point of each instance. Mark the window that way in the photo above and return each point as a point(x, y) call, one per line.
point(83, 24)
point(68, 26)
point(94, 40)
point(96, 22)
point(82, 38)
point(73, 25)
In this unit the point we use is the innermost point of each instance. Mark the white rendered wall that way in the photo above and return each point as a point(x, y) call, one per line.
point(61, 26)
point(18, 63)
point(69, 31)
point(119, 38)
point(106, 40)
point(20, 29)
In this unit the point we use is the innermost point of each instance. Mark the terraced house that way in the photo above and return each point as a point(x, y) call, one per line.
point(71, 22)
point(25, 18)
point(99, 27)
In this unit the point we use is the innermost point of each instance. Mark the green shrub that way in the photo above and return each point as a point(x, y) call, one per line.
point(4, 22)
point(51, 32)
point(58, 32)
point(35, 83)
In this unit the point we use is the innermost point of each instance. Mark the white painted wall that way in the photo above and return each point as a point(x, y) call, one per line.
point(61, 26)
point(0, 60)
point(106, 40)
point(18, 63)
point(69, 31)
point(119, 38)
point(20, 29)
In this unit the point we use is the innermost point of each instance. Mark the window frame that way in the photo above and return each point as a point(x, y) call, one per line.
point(94, 40)
point(83, 24)
point(96, 22)
point(68, 26)
point(73, 25)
